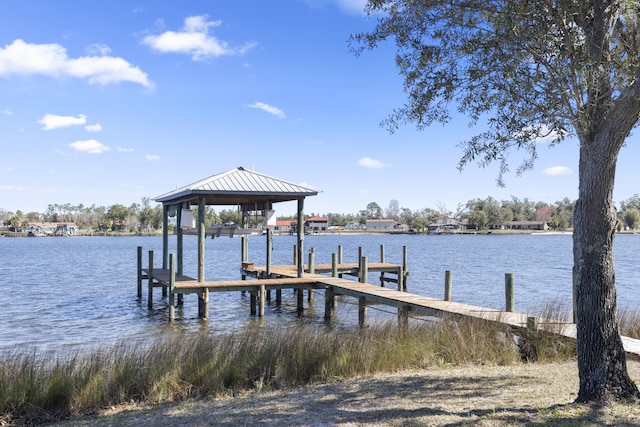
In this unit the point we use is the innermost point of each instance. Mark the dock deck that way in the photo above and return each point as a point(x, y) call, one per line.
point(283, 277)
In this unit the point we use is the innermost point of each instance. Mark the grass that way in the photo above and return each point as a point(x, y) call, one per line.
point(35, 390)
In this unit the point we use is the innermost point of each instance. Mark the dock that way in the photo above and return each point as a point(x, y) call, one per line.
point(407, 304)
point(254, 194)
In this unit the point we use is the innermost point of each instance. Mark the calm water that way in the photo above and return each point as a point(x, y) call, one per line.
point(62, 294)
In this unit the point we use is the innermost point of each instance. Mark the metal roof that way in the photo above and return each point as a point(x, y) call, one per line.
point(238, 186)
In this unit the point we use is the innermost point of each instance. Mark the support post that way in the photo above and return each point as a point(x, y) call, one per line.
point(300, 252)
point(261, 296)
point(334, 273)
point(400, 277)
point(139, 272)
point(509, 291)
point(363, 271)
point(269, 251)
point(382, 283)
point(203, 304)
point(201, 238)
point(180, 249)
point(405, 269)
point(150, 290)
point(172, 287)
point(312, 270)
point(403, 317)
point(329, 299)
point(339, 254)
point(300, 296)
point(253, 302)
point(448, 280)
point(295, 255)
point(165, 235)
point(362, 312)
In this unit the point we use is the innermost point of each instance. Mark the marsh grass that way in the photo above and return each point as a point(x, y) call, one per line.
point(629, 323)
point(38, 390)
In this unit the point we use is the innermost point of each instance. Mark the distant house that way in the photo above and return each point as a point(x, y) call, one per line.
point(380, 224)
point(354, 226)
point(284, 226)
point(43, 229)
point(444, 224)
point(527, 225)
point(316, 223)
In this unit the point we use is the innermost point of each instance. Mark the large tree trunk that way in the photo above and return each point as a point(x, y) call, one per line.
point(602, 363)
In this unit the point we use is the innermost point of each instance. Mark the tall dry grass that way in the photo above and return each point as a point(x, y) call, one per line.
point(36, 390)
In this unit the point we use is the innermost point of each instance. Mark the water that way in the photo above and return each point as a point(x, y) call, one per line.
point(65, 294)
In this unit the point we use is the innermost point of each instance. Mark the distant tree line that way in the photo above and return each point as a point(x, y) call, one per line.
point(481, 213)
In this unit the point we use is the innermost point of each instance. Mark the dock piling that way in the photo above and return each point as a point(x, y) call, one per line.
point(150, 290)
point(448, 280)
point(172, 287)
point(139, 272)
point(509, 286)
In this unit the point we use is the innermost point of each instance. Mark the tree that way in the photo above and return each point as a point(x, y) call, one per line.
point(373, 211)
point(534, 69)
point(393, 210)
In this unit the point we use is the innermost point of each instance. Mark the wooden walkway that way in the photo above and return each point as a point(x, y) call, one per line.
point(284, 277)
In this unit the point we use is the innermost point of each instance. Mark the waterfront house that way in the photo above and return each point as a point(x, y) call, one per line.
point(445, 224)
point(43, 229)
point(527, 225)
point(380, 224)
point(284, 226)
point(316, 223)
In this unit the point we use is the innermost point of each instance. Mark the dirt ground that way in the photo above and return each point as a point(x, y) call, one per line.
point(517, 395)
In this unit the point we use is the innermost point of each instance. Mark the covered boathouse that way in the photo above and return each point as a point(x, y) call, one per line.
point(250, 191)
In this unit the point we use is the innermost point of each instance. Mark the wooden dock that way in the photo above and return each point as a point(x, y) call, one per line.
point(407, 304)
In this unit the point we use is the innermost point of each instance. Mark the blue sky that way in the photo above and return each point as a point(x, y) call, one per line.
point(110, 102)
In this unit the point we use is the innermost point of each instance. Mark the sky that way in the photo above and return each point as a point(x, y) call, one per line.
point(110, 102)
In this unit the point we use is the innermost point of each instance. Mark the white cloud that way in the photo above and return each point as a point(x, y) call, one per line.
point(11, 188)
point(194, 39)
point(94, 128)
point(351, 6)
point(152, 157)
point(368, 162)
point(90, 146)
point(124, 150)
point(269, 109)
point(557, 171)
point(6, 112)
point(53, 121)
point(21, 58)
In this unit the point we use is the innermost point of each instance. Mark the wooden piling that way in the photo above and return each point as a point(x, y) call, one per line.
point(339, 254)
point(334, 273)
point(150, 290)
point(448, 280)
point(312, 270)
point(295, 255)
point(509, 292)
point(172, 287)
point(203, 304)
point(269, 251)
point(382, 281)
point(362, 312)
point(261, 296)
point(403, 317)
point(405, 269)
point(364, 269)
point(329, 299)
point(139, 272)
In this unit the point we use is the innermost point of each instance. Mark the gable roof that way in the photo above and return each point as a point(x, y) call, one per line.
point(238, 186)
